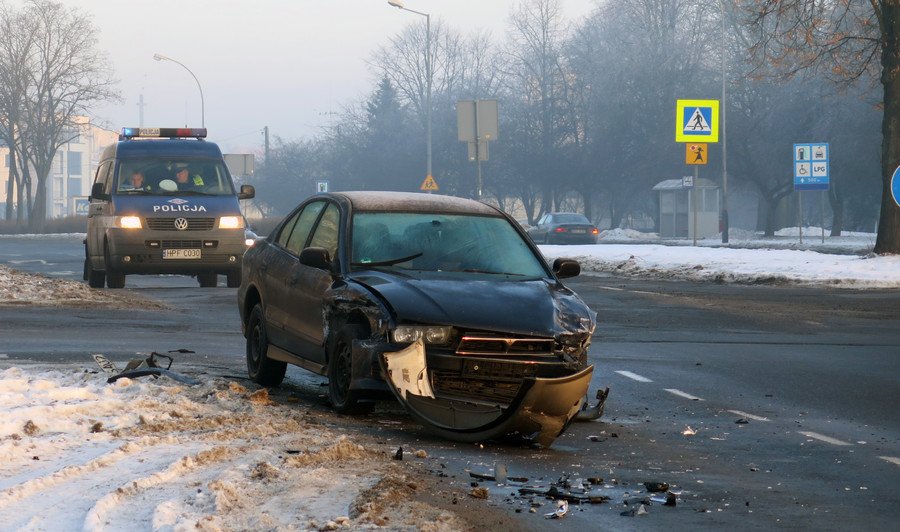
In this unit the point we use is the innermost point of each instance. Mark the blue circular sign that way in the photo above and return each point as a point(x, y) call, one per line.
point(895, 186)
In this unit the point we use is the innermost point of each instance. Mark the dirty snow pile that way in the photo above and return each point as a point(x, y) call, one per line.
point(732, 265)
point(18, 288)
point(78, 453)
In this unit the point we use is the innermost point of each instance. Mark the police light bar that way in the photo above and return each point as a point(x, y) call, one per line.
point(163, 132)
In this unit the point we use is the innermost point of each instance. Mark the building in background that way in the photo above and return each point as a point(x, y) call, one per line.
point(71, 175)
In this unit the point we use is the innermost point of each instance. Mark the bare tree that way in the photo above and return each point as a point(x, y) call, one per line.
point(63, 75)
point(846, 41)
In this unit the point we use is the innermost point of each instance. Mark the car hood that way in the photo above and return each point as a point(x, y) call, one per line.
point(176, 205)
point(539, 307)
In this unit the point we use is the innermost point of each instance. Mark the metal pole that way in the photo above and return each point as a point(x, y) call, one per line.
point(428, 82)
point(477, 153)
point(800, 215)
point(822, 215)
point(694, 202)
point(724, 139)
point(160, 57)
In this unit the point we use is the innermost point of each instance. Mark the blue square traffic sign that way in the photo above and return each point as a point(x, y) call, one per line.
point(811, 166)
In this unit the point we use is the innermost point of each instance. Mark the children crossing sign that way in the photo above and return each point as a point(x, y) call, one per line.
point(697, 121)
point(429, 185)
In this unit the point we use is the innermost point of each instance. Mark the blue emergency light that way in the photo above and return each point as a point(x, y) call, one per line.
point(163, 132)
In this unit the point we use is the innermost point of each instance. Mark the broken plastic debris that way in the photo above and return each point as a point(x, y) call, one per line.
point(408, 372)
point(479, 493)
point(562, 507)
point(741, 421)
point(688, 431)
point(666, 499)
point(500, 473)
point(590, 413)
point(399, 454)
point(640, 510)
point(656, 487)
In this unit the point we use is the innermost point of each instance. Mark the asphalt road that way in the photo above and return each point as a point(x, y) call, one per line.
point(813, 376)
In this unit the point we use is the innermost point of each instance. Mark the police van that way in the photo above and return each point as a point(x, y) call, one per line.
point(163, 202)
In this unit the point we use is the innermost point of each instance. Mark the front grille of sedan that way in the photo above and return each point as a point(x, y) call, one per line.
point(193, 224)
point(490, 345)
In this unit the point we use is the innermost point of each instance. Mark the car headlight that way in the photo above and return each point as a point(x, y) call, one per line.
point(129, 222)
point(431, 334)
point(231, 222)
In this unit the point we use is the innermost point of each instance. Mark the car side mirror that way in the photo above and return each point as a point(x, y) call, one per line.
point(316, 258)
point(97, 192)
point(565, 268)
point(247, 192)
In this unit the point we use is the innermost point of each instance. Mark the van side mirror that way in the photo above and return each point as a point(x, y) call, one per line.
point(316, 258)
point(565, 268)
point(97, 192)
point(247, 192)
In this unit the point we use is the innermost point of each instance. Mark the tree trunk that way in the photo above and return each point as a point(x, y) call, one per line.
point(888, 239)
point(837, 209)
point(771, 215)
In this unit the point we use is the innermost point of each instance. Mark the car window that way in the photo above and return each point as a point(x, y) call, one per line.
point(286, 229)
point(206, 176)
point(103, 172)
point(300, 231)
point(326, 233)
point(442, 242)
point(570, 218)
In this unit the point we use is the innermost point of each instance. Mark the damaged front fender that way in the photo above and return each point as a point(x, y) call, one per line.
point(542, 409)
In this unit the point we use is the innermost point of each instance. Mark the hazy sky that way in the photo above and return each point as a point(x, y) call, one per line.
point(286, 64)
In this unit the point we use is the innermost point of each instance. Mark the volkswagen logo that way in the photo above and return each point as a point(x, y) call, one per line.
point(181, 224)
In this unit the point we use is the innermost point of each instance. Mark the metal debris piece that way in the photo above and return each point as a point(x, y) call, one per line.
point(156, 372)
point(590, 413)
point(562, 508)
point(656, 487)
point(485, 476)
point(500, 473)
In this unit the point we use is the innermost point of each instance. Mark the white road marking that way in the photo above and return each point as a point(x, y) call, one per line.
point(611, 288)
point(751, 416)
point(679, 393)
point(892, 459)
point(822, 437)
point(633, 376)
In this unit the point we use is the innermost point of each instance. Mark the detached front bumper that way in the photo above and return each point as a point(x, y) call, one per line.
point(538, 410)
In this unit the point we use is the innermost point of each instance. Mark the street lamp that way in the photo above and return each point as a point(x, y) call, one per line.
point(724, 214)
point(399, 5)
point(160, 57)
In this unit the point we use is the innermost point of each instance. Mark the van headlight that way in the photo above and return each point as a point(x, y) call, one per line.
point(231, 222)
point(431, 334)
point(129, 222)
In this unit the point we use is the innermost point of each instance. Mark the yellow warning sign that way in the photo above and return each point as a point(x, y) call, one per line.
point(695, 153)
point(429, 184)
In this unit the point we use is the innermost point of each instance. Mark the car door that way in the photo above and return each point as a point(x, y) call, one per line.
point(281, 259)
point(540, 229)
point(100, 214)
point(306, 287)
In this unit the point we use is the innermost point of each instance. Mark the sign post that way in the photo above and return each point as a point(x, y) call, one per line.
point(477, 124)
point(811, 173)
point(696, 123)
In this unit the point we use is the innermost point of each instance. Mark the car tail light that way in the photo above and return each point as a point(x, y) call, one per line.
point(595, 231)
point(560, 230)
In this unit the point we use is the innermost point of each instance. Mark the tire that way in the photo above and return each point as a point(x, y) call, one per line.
point(114, 279)
point(261, 369)
point(233, 279)
point(207, 280)
point(343, 399)
point(95, 279)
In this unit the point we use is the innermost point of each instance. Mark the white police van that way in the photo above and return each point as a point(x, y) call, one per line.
point(163, 202)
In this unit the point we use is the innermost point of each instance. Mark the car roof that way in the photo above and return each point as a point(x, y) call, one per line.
point(385, 201)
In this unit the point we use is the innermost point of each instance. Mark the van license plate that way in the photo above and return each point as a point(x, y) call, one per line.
point(181, 253)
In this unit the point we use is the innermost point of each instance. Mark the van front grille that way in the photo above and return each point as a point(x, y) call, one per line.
point(193, 224)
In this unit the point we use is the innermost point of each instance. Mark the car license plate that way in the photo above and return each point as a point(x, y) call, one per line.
point(579, 231)
point(181, 253)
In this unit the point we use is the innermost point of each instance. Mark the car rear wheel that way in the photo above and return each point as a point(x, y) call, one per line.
point(340, 359)
point(207, 280)
point(261, 369)
point(233, 279)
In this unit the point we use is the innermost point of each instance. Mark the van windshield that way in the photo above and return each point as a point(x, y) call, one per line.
point(157, 176)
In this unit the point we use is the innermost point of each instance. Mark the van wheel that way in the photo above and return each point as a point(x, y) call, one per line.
point(233, 279)
point(94, 278)
point(261, 369)
point(114, 279)
point(207, 280)
point(340, 359)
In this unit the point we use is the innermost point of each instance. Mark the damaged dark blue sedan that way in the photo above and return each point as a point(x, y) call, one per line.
point(443, 301)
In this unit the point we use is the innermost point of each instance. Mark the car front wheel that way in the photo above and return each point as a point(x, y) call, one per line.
point(261, 369)
point(340, 359)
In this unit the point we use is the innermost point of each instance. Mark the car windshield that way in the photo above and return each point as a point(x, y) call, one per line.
point(160, 176)
point(441, 242)
point(566, 218)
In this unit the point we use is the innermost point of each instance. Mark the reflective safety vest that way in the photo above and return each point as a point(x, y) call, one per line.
point(198, 181)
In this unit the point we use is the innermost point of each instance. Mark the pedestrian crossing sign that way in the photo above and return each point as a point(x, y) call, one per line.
point(697, 121)
point(429, 185)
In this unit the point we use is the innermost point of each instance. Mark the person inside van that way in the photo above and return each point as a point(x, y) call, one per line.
point(136, 182)
point(186, 181)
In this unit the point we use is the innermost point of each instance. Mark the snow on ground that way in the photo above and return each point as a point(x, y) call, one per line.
point(18, 288)
point(78, 453)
